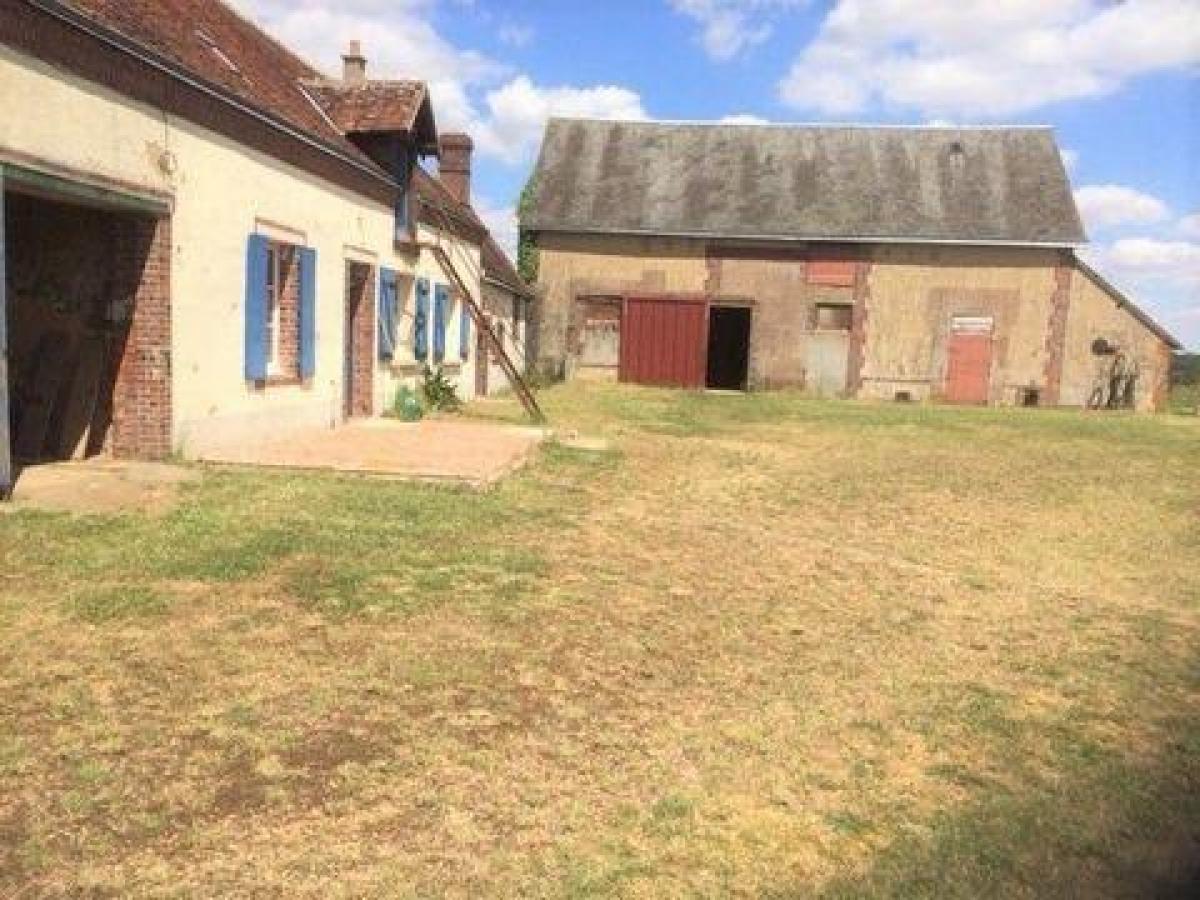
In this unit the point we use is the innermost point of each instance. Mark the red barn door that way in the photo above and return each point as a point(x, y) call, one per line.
point(664, 341)
point(969, 360)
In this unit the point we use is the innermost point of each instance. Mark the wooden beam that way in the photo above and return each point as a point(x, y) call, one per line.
point(43, 184)
point(6, 473)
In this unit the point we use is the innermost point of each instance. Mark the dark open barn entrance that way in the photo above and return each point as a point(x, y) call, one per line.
point(81, 379)
point(728, 347)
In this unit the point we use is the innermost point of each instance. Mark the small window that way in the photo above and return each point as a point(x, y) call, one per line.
point(1029, 397)
point(834, 316)
point(903, 396)
point(972, 324)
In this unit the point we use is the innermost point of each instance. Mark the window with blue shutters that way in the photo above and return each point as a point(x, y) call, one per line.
point(388, 294)
point(421, 320)
point(258, 266)
point(464, 332)
point(308, 313)
point(441, 309)
point(280, 312)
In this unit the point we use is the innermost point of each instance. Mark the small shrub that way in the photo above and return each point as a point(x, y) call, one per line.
point(406, 406)
point(439, 391)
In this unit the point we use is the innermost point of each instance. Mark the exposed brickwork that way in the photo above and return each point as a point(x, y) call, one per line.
point(858, 327)
point(454, 165)
point(360, 319)
point(287, 361)
point(1056, 332)
point(141, 421)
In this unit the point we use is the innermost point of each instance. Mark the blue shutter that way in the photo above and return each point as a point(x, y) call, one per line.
point(464, 331)
point(387, 314)
point(256, 308)
point(308, 312)
point(439, 322)
point(421, 320)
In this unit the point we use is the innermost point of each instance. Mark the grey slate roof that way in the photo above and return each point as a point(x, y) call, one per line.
point(848, 183)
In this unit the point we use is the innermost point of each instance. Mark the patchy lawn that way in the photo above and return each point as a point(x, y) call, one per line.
point(764, 646)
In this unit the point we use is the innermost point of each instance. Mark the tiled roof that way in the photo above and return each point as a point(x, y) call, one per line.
point(805, 182)
point(371, 106)
point(499, 268)
point(438, 208)
point(212, 42)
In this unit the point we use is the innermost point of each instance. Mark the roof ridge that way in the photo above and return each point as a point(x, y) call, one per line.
point(830, 126)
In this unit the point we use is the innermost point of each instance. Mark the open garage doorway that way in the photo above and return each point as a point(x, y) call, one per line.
point(87, 313)
point(728, 348)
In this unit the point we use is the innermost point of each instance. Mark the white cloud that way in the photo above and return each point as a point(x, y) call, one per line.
point(1106, 205)
point(504, 111)
point(501, 222)
point(515, 35)
point(1189, 226)
point(983, 58)
point(1145, 259)
point(729, 27)
point(517, 113)
point(745, 119)
point(1070, 158)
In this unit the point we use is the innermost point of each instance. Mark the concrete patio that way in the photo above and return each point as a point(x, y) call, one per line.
point(448, 450)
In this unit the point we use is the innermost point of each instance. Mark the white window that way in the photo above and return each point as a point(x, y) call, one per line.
point(274, 304)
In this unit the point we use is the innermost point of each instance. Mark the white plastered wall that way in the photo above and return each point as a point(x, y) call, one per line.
point(222, 192)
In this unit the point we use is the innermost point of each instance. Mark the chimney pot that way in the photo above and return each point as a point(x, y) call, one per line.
point(454, 164)
point(354, 65)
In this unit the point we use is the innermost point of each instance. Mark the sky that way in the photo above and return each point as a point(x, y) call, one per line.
point(1119, 80)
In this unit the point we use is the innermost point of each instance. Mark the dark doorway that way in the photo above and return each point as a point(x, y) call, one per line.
point(358, 376)
point(728, 347)
point(73, 273)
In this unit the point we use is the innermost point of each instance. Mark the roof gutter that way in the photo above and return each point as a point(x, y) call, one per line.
point(129, 47)
point(813, 239)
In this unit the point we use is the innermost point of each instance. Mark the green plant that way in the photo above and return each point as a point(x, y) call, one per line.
point(527, 250)
point(439, 391)
point(406, 406)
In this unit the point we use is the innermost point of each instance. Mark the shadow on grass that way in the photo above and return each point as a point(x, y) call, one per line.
point(1108, 828)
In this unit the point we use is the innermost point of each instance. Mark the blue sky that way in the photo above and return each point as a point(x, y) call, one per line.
point(1120, 81)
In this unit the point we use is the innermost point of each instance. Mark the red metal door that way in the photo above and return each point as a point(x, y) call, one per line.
point(664, 341)
point(968, 368)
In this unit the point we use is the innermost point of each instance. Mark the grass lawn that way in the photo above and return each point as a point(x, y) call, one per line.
point(763, 646)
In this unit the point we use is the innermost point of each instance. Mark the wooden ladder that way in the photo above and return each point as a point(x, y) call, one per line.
point(519, 385)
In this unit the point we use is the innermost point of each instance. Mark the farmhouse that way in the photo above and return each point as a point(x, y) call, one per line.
point(205, 240)
point(892, 263)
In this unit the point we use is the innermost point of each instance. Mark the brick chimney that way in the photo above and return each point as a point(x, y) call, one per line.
point(354, 65)
point(454, 165)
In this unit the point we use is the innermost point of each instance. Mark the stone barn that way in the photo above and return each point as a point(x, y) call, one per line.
point(878, 262)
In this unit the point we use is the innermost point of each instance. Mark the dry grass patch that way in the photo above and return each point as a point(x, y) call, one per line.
point(765, 646)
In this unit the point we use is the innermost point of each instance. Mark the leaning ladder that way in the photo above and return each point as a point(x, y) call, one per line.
point(520, 386)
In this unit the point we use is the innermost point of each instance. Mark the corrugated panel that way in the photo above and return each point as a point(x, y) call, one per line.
point(664, 341)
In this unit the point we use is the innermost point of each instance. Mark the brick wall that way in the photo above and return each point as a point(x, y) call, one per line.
point(1056, 332)
point(360, 317)
point(287, 362)
point(141, 398)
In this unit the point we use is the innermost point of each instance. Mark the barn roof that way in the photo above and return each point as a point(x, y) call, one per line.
point(842, 183)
